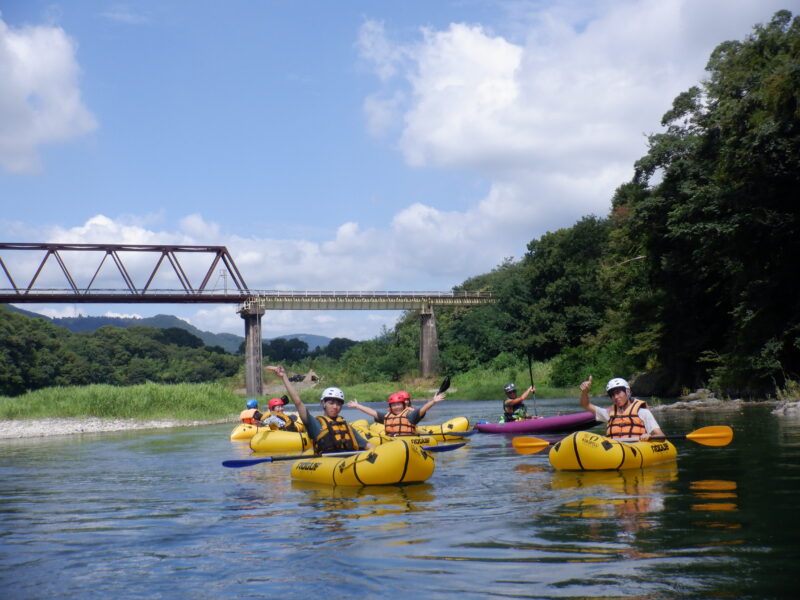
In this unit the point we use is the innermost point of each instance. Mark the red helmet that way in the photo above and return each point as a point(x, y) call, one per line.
point(404, 395)
point(275, 402)
point(396, 398)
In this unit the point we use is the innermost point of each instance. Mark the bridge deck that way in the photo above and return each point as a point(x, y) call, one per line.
point(257, 299)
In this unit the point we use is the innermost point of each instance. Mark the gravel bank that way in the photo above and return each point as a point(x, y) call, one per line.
point(11, 429)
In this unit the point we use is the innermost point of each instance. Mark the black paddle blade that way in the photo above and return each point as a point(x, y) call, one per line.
point(445, 385)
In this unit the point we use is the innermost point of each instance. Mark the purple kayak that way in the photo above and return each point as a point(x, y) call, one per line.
point(557, 424)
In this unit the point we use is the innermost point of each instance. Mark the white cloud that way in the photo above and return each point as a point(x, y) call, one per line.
point(554, 118)
point(122, 13)
point(40, 103)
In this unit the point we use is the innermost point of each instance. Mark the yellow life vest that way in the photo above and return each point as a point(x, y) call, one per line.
point(336, 436)
point(289, 423)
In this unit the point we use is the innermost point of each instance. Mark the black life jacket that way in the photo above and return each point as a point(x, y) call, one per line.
point(335, 436)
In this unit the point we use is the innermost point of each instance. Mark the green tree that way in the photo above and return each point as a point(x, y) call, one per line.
point(713, 211)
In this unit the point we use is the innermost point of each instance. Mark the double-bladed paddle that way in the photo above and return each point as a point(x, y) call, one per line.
point(247, 462)
point(713, 435)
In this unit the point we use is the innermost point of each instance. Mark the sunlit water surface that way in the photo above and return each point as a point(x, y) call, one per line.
point(154, 514)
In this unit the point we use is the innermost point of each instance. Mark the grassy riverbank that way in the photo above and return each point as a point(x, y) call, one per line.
point(214, 401)
point(149, 401)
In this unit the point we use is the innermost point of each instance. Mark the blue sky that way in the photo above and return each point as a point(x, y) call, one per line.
point(350, 145)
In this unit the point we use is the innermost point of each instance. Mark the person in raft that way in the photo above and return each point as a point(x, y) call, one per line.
point(329, 432)
point(513, 407)
point(401, 419)
point(627, 417)
point(251, 415)
point(277, 419)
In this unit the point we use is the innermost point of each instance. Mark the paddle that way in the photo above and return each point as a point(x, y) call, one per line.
point(530, 372)
point(445, 385)
point(713, 435)
point(247, 462)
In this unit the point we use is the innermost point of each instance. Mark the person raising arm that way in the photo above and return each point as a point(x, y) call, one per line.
point(329, 432)
point(627, 417)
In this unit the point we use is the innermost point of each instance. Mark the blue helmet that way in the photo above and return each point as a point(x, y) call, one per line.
point(252, 403)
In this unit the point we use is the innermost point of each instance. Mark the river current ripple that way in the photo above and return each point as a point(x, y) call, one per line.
point(153, 513)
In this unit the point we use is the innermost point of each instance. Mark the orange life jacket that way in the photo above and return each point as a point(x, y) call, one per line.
point(250, 416)
point(336, 436)
point(626, 423)
point(399, 424)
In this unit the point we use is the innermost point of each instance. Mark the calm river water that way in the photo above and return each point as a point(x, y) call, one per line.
point(154, 514)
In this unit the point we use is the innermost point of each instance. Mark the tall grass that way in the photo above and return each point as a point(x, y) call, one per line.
point(184, 401)
point(212, 401)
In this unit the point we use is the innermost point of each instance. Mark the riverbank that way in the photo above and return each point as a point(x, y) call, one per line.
point(32, 428)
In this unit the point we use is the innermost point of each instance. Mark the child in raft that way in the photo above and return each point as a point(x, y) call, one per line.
point(401, 419)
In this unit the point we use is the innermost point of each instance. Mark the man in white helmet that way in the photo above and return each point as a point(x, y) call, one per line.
point(627, 418)
point(329, 432)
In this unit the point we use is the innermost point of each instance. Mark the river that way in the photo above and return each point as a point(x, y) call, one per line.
point(154, 514)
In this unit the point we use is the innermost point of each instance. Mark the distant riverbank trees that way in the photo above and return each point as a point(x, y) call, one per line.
point(35, 354)
point(690, 280)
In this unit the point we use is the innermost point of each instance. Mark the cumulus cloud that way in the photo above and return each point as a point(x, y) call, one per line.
point(40, 103)
point(553, 109)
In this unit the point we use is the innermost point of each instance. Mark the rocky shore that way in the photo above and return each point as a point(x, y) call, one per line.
point(29, 428)
point(703, 399)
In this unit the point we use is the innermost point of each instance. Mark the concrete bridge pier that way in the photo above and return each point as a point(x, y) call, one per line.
point(253, 369)
point(428, 342)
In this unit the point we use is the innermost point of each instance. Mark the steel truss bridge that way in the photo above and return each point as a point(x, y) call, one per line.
point(252, 303)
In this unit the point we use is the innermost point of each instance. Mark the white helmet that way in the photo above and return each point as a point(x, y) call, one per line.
point(333, 393)
point(617, 382)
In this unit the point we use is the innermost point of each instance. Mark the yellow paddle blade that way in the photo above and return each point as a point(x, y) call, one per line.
point(529, 445)
point(714, 435)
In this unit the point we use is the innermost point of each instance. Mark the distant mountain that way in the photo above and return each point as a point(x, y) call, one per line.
point(229, 341)
point(312, 340)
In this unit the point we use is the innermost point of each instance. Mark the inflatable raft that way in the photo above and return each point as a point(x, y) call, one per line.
point(429, 435)
point(397, 461)
point(277, 441)
point(556, 424)
point(244, 431)
point(447, 430)
point(583, 451)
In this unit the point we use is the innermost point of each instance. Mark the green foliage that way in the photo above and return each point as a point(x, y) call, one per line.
point(207, 401)
point(712, 210)
point(559, 301)
point(601, 361)
point(280, 350)
point(35, 354)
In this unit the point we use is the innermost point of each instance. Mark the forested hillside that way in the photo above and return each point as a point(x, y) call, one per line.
point(34, 354)
point(690, 279)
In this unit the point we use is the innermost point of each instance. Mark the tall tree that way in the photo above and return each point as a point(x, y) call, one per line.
point(713, 211)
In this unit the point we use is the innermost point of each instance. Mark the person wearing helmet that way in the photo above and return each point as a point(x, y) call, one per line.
point(329, 431)
point(251, 415)
point(276, 418)
point(513, 407)
point(401, 419)
point(627, 417)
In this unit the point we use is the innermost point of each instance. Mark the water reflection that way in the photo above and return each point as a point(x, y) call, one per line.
point(630, 498)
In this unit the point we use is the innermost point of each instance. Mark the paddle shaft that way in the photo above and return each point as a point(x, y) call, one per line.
point(246, 462)
point(713, 435)
point(530, 372)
